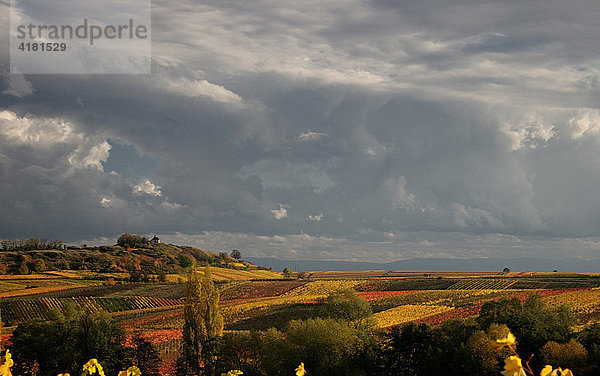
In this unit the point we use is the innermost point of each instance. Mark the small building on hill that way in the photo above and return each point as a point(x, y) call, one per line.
point(155, 240)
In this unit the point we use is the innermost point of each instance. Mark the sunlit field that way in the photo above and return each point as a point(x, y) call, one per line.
point(268, 300)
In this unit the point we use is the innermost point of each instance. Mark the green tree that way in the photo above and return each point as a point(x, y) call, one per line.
point(23, 269)
point(224, 259)
point(287, 273)
point(484, 348)
point(39, 265)
point(326, 346)
point(590, 339)
point(236, 254)
point(66, 342)
point(531, 322)
point(131, 241)
point(420, 350)
point(238, 350)
point(145, 356)
point(32, 243)
point(203, 322)
point(346, 305)
point(186, 260)
point(571, 355)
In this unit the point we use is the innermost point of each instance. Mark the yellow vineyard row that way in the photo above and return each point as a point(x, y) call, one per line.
point(406, 313)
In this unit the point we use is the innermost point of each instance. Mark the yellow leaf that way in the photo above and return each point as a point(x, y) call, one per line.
point(509, 340)
point(300, 371)
point(513, 367)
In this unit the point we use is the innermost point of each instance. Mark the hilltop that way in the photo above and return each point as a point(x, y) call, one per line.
point(134, 255)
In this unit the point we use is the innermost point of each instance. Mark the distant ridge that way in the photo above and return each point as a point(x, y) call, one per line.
point(522, 264)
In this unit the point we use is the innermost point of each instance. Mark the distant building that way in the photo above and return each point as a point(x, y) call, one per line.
point(155, 240)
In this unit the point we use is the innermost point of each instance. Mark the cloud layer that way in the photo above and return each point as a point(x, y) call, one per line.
point(390, 129)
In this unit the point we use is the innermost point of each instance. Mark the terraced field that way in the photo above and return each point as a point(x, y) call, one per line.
point(223, 274)
point(19, 310)
point(483, 284)
point(406, 313)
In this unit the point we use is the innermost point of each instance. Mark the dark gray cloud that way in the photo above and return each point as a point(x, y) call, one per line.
point(332, 129)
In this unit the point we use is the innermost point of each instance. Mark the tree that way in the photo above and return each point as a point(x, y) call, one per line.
point(224, 258)
point(326, 346)
point(145, 356)
point(203, 322)
point(570, 355)
point(23, 269)
point(590, 339)
point(420, 350)
point(346, 305)
point(131, 241)
point(287, 273)
point(506, 270)
point(239, 350)
point(531, 322)
point(39, 265)
point(66, 342)
point(186, 260)
point(236, 254)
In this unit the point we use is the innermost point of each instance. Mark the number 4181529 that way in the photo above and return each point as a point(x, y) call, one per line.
point(44, 47)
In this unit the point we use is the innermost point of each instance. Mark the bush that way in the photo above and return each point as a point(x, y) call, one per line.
point(66, 342)
point(131, 241)
point(531, 321)
point(570, 355)
point(346, 305)
point(326, 346)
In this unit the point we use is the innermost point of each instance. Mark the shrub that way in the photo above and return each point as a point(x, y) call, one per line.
point(531, 321)
point(66, 342)
point(346, 305)
point(567, 355)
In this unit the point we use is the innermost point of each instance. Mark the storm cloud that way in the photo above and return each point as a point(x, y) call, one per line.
point(333, 130)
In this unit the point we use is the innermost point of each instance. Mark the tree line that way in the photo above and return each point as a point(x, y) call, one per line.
point(30, 244)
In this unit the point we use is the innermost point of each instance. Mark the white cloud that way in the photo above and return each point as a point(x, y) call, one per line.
point(90, 156)
point(400, 197)
point(42, 132)
point(279, 213)
point(113, 202)
point(531, 132)
point(198, 88)
point(18, 86)
point(171, 207)
point(312, 136)
point(316, 218)
point(466, 217)
point(586, 123)
point(146, 187)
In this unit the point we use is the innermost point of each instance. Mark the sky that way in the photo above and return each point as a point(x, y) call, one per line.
point(339, 130)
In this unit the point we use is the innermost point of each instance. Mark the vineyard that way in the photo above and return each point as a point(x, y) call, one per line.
point(482, 284)
point(18, 310)
point(321, 288)
point(261, 299)
point(222, 274)
point(405, 313)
